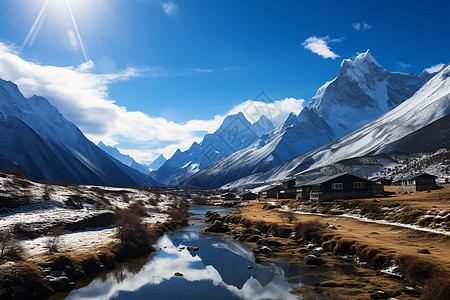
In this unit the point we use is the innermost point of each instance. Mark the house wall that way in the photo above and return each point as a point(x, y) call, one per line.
point(325, 192)
point(422, 183)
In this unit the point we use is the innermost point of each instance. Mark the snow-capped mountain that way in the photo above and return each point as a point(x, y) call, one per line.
point(157, 163)
point(397, 130)
point(235, 133)
point(38, 138)
point(125, 159)
point(362, 91)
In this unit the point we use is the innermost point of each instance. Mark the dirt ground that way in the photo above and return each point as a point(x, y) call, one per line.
point(353, 282)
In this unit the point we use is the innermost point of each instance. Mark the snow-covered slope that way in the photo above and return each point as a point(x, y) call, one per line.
point(34, 134)
point(235, 133)
point(362, 91)
point(430, 103)
point(125, 159)
point(157, 163)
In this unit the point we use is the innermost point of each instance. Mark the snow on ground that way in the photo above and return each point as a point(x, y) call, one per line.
point(381, 222)
point(40, 208)
point(72, 242)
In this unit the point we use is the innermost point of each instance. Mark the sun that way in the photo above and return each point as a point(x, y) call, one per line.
point(73, 35)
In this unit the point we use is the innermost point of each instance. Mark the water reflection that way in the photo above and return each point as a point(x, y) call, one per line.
point(218, 270)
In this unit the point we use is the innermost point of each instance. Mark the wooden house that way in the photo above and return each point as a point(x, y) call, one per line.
point(417, 182)
point(288, 190)
point(229, 196)
point(271, 192)
point(248, 196)
point(339, 186)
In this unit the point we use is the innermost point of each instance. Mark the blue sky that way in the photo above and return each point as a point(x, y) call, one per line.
point(182, 62)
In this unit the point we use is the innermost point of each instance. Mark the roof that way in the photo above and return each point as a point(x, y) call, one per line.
point(324, 179)
point(271, 187)
point(413, 176)
point(247, 192)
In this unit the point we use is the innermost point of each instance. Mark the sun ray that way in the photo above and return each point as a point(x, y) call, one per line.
point(76, 30)
point(35, 24)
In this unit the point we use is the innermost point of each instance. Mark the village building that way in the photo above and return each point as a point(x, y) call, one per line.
point(289, 190)
point(417, 182)
point(339, 186)
point(248, 196)
point(270, 192)
point(229, 197)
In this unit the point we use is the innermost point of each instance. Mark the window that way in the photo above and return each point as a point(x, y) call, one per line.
point(337, 186)
point(316, 188)
point(358, 185)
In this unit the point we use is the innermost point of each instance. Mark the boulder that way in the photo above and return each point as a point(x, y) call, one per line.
point(192, 248)
point(212, 215)
point(218, 227)
point(313, 260)
point(423, 251)
point(178, 274)
point(254, 239)
point(265, 250)
point(59, 284)
point(379, 295)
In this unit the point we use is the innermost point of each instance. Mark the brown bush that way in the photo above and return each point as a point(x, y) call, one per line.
point(306, 230)
point(289, 217)
point(10, 247)
point(436, 289)
point(418, 270)
point(178, 214)
point(22, 281)
point(132, 231)
point(138, 208)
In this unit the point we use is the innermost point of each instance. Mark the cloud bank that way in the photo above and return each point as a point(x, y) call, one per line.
point(82, 96)
point(170, 8)
point(319, 46)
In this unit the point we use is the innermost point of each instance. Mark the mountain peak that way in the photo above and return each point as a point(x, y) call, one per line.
point(364, 61)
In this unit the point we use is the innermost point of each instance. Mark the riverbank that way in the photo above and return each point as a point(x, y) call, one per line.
point(53, 235)
point(360, 260)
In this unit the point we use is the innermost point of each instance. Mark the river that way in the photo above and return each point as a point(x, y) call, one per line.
point(222, 268)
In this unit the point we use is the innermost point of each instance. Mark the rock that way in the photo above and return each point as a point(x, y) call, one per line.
point(409, 290)
point(252, 231)
point(212, 215)
point(423, 251)
point(218, 227)
point(330, 226)
point(258, 260)
point(192, 248)
point(265, 250)
point(249, 267)
point(178, 274)
point(313, 260)
point(379, 295)
point(254, 239)
point(59, 284)
point(374, 232)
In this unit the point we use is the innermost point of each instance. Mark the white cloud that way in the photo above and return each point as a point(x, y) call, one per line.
point(83, 98)
point(361, 26)
point(434, 69)
point(319, 45)
point(170, 8)
point(403, 65)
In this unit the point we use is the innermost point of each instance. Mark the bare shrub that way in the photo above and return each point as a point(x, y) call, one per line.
point(52, 244)
point(138, 208)
point(198, 200)
point(10, 247)
point(306, 230)
point(132, 231)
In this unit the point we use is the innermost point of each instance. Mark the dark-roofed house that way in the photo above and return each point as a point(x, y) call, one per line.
point(339, 186)
point(271, 191)
point(417, 182)
point(229, 196)
point(288, 191)
point(248, 196)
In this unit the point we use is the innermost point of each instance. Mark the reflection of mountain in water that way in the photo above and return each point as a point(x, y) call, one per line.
point(218, 270)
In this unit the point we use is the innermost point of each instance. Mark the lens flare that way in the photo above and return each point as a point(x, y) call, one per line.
point(74, 36)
